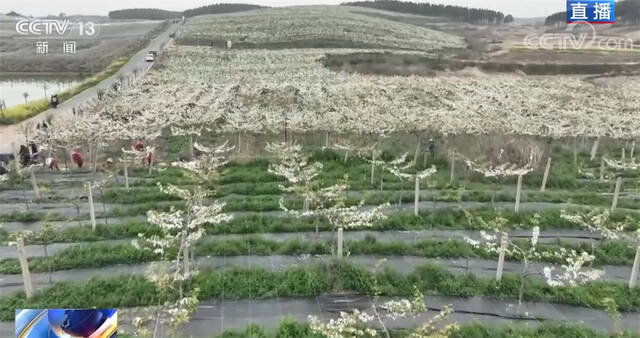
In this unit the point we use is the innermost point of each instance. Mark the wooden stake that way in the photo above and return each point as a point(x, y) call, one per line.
point(616, 194)
point(24, 266)
point(634, 272)
point(594, 148)
point(623, 156)
point(191, 156)
point(633, 148)
point(416, 153)
point(543, 187)
point(16, 159)
point(239, 143)
point(340, 243)
point(126, 175)
point(91, 209)
point(151, 163)
point(373, 168)
point(185, 256)
point(34, 183)
point(503, 249)
point(518, 192)
point(416, 200)
point(95, 161)
point(602, 168)
point(453, 166)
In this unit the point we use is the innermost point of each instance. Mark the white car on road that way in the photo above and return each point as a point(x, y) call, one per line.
point(149, 58)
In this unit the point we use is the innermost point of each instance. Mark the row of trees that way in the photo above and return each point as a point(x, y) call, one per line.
point(160, 14)
point(313, 27)
point(465, 14)
point(628, 11)
point(289, 90)
point(220, 8)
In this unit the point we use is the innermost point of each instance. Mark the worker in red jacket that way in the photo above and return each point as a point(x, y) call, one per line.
point(77, 158)
point(139, 146)
point(52, 163)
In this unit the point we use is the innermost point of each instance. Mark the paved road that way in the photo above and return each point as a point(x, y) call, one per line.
point(9, 134)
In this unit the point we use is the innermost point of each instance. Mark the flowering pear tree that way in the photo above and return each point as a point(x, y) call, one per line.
point(359, 323)
point(362, 151)
point(495, 239)
point(182, 229)
point(370, 154)
point(387, 165)
point(95, 132)
point(620, 165)
point(295, 168)
point(30, 171)
point(331, 204)
point(506, 169)
point(193, 117)
point(46, 236)
point(207, 164)
point(600, 222)
point(573, 271)
point(403, 170)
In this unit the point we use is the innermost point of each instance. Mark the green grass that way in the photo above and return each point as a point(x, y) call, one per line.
point(400, 221)
point(82, 256)
point(545, 330)
point(304, 281)
point(30, 216)
point(243, 178)
point(290, 328)
point(96, 255)
point(22, 112)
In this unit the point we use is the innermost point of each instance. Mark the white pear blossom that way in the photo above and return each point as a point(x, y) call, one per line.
point(571, 272)
point(347, 326)
point(294, 167)
point(207, 164)
point(359, 323)
point(600, 222)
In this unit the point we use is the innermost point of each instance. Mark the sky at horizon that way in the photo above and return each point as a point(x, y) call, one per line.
point(518, 8)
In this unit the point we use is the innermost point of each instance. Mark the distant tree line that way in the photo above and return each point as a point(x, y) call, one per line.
point(556, 19)
point(160, 14)
point(144, 14)
point(627, 12)
point(219, 9)
point(465, 14)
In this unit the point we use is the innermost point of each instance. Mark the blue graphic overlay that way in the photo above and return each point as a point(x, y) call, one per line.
point(66, 323)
